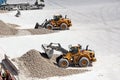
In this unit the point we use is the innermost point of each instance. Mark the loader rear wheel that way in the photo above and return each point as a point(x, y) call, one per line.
point(84, 62)
point(63, 63)
point(63, 26)
point(49, 26)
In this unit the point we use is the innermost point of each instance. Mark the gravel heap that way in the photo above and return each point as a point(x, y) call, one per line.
point(35, 65)
point(40, 31)
point(3, 11)
point(6, 29)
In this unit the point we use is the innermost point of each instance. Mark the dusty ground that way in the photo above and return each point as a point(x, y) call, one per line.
point(32, 64)
point(2, 11)
point(7, 29)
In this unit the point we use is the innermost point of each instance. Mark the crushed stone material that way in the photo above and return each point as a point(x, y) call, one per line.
point(3, 11)
point(40, 31)
point(35, 65)
point(6, 29)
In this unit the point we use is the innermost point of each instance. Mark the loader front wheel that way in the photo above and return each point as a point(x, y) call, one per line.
point(84, 62)
point(63, 63)
point(63, 26)
point(58, 58)
point(49, 26)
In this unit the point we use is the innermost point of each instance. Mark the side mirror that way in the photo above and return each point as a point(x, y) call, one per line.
point(65, 16)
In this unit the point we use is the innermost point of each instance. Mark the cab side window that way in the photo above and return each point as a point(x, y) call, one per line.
point(74, 50)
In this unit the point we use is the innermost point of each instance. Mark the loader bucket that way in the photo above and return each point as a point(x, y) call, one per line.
point(48, 51)
point(36, 25)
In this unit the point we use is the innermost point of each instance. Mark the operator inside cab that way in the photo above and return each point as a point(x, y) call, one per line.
point(74, 49)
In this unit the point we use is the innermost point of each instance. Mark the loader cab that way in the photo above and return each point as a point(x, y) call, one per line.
point(73, 49)
point(57, 17)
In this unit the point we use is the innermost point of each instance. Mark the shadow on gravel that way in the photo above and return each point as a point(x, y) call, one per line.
point(44, 55)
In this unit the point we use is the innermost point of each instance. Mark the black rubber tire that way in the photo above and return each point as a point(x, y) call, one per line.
point(84, 62)
point(58, 58)
point(63, 26)
point(49, 26)
point(63, 63)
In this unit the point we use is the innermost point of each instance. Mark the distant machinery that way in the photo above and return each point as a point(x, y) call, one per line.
point(39, 4)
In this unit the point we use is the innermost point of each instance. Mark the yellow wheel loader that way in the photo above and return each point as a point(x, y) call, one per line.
point(58, 22)
point(74, 56)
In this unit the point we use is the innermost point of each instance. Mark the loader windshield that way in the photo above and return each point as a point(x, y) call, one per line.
point(57, 17)
point(74, 49)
